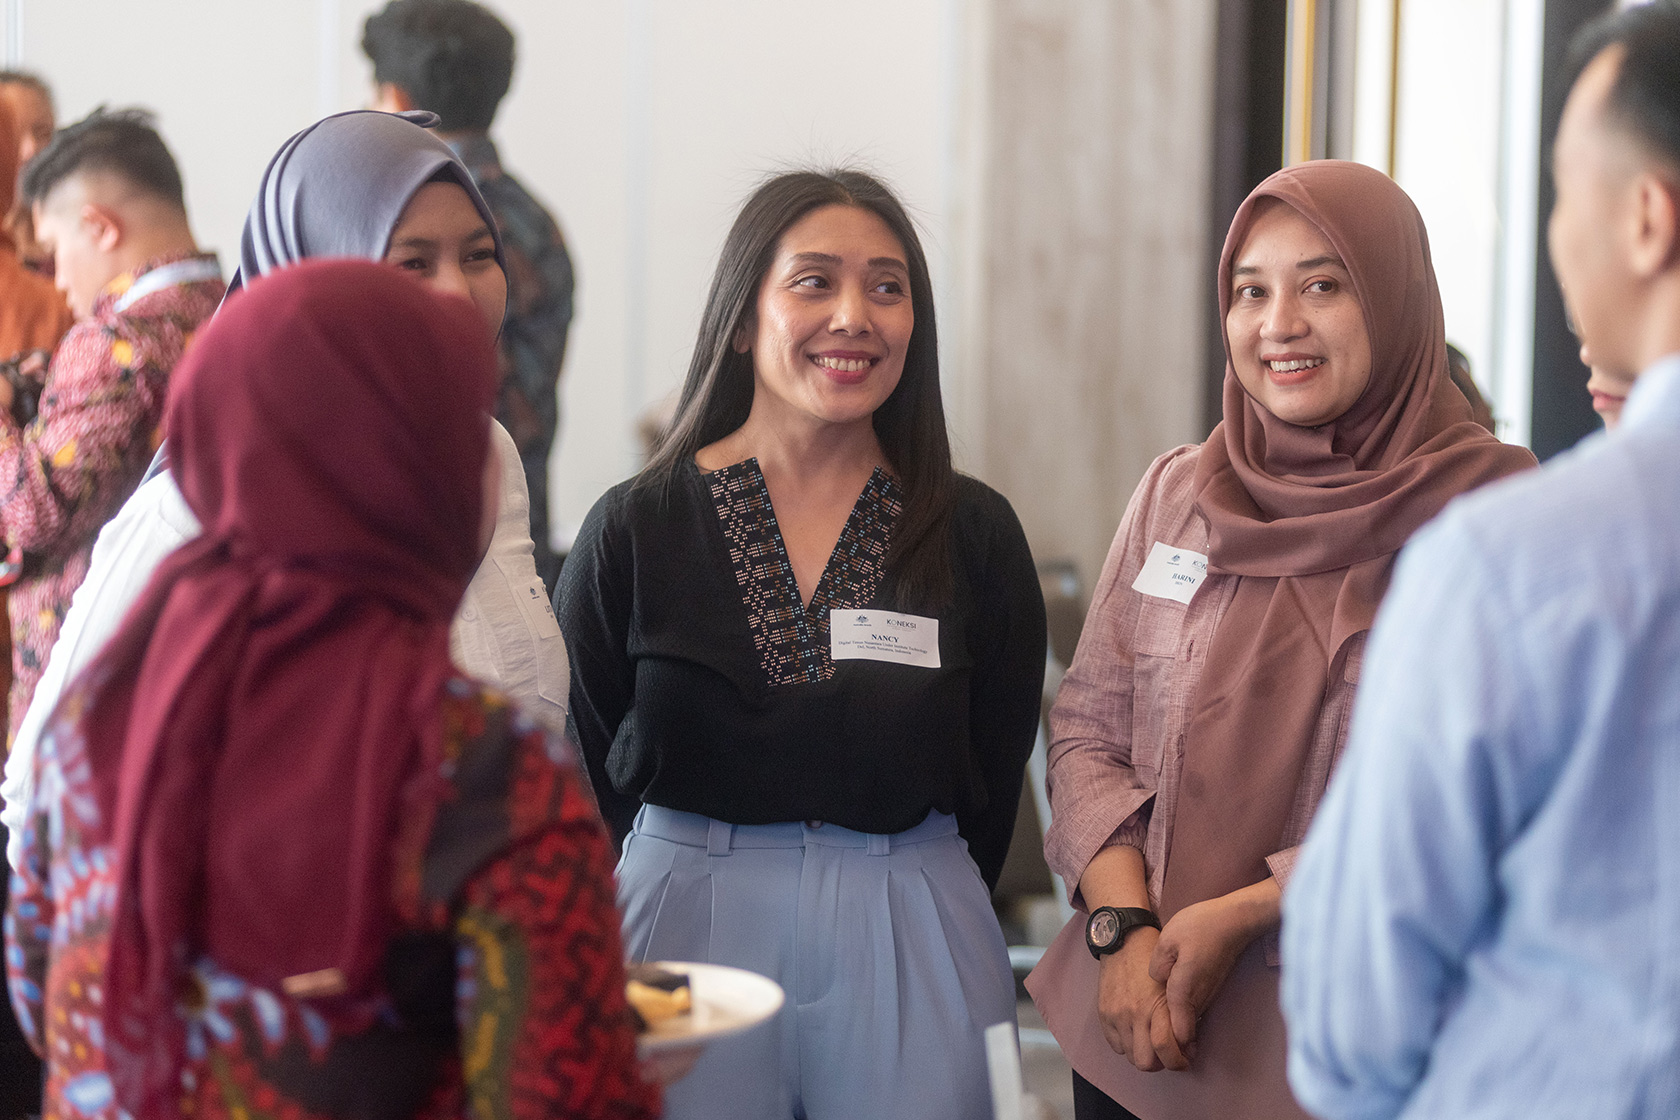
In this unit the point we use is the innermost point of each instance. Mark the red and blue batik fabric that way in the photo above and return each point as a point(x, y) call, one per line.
point(506, 982)
point(63, 476)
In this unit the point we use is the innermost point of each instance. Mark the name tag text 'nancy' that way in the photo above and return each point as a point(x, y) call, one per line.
point(904, 639)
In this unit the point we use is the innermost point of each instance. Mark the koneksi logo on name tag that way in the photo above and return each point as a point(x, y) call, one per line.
point(904, 639)
point(1171, 573)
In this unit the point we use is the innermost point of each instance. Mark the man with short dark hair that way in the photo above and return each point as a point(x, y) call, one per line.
point(455, 58)
point(108, 203)
point(1485, 920)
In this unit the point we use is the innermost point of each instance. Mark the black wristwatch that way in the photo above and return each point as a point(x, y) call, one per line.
point(1108, 926)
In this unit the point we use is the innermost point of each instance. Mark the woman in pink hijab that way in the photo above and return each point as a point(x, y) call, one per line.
point(1208, 700)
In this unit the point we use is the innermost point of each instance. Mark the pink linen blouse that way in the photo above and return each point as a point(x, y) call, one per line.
point(1117, 727)
point(1116, 757)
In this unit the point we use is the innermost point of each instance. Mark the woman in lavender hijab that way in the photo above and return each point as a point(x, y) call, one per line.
point(382, 187)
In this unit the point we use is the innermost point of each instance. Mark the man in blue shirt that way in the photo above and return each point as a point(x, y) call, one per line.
point(455, 58)
point(1485, 921)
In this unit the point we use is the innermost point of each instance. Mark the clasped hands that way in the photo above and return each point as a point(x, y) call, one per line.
point(1152, 992)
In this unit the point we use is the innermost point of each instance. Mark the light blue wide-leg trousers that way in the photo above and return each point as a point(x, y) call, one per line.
point(886, 945)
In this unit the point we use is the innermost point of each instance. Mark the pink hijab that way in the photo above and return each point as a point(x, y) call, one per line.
point(1311, 519)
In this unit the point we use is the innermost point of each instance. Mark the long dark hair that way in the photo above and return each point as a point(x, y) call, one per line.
point(717, 394)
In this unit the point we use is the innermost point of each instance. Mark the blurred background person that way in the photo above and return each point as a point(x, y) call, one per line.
point(33, 314)
point(1207, 702)
point(1458, 364)
point(455, 58)
point(108, 204)
point(285, 855)
point(30, 99)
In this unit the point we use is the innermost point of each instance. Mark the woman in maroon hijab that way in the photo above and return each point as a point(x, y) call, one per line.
point(1208, 700)
point(283, 859)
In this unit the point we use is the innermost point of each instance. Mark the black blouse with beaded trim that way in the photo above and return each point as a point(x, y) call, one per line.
point(702, 682)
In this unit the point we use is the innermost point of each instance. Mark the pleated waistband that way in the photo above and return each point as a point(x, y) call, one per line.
point(721, 837)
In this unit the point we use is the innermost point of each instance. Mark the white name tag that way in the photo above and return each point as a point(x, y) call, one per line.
point(1171, 573)
point(539, 612)
point(905, 639)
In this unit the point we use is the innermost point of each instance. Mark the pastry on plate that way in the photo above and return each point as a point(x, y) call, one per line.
point(656, 994)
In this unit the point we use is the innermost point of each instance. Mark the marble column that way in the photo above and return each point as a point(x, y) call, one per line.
point(1083, 254)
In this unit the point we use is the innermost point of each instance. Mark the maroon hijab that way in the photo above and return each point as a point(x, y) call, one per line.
point(268, 715)
point(1310, 519)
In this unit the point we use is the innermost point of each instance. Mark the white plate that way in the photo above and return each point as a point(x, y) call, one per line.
point(726, 1000)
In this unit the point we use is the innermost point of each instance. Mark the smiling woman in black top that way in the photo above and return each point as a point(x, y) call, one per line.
point(806, 660)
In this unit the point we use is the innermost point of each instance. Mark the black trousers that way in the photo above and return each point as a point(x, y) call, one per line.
point(20, 1069)
point(1091, 1103)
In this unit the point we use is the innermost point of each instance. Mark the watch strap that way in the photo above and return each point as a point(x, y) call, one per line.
point(1136, 917)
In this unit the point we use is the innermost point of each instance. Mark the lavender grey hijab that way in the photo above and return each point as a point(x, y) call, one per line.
point(337, 188)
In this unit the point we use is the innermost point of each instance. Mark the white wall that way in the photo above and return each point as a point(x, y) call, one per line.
point(642, 123)
point(1465, 145)
point(1094, 270)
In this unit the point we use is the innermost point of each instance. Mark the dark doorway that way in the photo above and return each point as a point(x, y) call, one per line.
point(1562, 410)
point(1247, 141)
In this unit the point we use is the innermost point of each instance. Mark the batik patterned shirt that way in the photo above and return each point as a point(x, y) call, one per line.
point(539, 316)
point(511, 890)
point(63, 476)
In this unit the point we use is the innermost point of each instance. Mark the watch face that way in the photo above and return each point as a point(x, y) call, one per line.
point(1104, 928)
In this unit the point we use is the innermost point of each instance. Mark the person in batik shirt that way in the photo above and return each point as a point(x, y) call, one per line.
point(107, 200)
point(455, 58)
point(533, 341)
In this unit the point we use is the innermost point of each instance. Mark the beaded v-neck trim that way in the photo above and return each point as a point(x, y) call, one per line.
point(792, 638)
